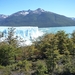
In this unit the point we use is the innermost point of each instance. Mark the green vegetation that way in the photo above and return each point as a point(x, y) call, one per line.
point(51, 54)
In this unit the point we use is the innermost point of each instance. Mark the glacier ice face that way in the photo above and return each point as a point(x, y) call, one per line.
point(24, 34)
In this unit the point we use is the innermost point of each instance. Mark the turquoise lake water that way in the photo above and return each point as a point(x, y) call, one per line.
point(68, 29)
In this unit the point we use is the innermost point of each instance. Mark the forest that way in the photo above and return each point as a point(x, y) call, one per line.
point(51, 54)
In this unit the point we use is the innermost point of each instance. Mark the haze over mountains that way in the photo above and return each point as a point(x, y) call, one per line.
point(38, 17)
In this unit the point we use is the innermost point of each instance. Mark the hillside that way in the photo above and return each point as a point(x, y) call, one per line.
point(38, 17)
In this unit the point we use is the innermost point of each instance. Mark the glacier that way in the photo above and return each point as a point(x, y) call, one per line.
point(25, 35)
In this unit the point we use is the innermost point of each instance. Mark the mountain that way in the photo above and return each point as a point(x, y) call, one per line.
point(73, 18)
point(2, 17)
point(38, 17)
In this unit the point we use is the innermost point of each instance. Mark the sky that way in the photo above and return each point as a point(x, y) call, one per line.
point(62, 7)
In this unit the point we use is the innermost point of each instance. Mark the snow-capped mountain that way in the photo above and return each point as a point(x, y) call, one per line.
point(3, 16)
point(26, 12)
point(38, 11)
point(38, 17)
point(73, 18)
point(20, 13)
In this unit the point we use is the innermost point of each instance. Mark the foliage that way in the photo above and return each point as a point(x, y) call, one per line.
point(12, 40)
point(6, 71)
point(52, 54)
point(6, 53)
point(41, 68)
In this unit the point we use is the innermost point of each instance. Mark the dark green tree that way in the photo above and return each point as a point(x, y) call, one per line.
point(53, 56)
point(41, 68)
point(73, 43)
point(12, 39)
point(62, 38)
point(6, 54)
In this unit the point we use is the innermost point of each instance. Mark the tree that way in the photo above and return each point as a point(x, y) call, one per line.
point(41, 68)
point(6, 54)
point(24, 67)
point(43, 44)
point(12, 40)
point(53, 56)
point(9, 48)
point(62, 38)
point(73, 43)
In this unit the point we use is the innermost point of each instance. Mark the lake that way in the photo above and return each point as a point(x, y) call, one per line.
point(68, 29)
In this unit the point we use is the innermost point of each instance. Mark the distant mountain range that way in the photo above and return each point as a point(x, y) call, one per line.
point(38, 17)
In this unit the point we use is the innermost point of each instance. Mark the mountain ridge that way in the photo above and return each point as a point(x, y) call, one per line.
point(38, 17)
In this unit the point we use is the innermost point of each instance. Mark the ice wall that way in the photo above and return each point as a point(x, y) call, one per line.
point(23, 33)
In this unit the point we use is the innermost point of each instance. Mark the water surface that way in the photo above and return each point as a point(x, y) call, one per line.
point(68, 29)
